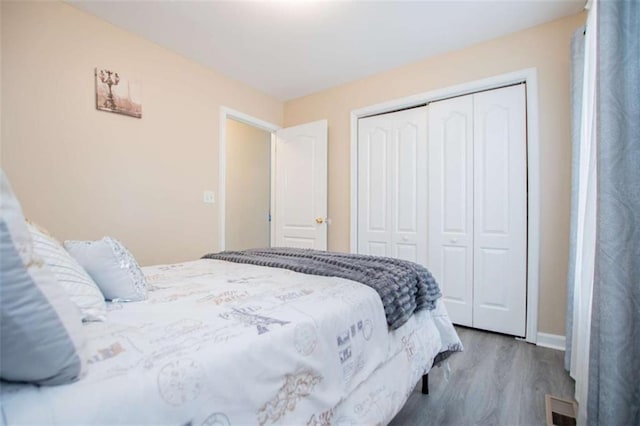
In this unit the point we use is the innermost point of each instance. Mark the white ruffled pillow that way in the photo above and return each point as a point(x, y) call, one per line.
point(112, 267)
point(82, 290)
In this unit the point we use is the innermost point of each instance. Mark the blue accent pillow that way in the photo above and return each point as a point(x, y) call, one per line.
point(41, 334)
point(112, 267)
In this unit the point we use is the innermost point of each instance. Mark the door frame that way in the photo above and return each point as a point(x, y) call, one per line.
point(226, 113)
point(528, 76)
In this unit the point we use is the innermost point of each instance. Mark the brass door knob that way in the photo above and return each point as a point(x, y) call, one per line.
point(319, 220)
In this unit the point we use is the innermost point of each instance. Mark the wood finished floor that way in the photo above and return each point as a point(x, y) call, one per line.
point(497, 380)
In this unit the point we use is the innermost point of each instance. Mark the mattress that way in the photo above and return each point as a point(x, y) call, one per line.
point(225, 343)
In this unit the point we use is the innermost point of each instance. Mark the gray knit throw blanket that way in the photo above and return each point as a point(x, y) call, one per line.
point(404, 287)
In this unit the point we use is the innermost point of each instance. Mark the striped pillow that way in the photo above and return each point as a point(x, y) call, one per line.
point(82, 290)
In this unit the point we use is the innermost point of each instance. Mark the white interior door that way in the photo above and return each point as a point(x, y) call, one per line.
point(500, 210)
point(300, 169)
point(392, 185)
point(451, 204)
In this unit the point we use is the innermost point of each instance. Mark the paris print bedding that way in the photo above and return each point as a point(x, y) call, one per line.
point(233, 344)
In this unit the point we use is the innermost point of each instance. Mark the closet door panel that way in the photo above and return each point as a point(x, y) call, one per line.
point(376, 248)
point(406, 184)
point(409, 237)
point(377, 174)
point(451, 204)
point(457, 278)
point(392, 185)
point(374, 149)
point(500, 202)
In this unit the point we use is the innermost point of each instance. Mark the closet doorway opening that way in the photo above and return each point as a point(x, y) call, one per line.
point(243, 143)
point(248, 186)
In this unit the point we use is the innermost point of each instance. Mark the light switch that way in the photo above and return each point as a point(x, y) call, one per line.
point(209, 197)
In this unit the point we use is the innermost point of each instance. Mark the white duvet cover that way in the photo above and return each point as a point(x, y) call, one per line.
point(219, 343)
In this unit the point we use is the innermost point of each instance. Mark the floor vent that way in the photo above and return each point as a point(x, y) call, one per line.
point(560, 412)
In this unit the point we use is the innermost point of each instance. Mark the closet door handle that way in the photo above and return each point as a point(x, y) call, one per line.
point(453, 240)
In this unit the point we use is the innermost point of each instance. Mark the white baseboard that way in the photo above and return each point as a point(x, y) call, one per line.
point(552, 341)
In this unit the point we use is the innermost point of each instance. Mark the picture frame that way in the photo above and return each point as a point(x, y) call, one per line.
point(117, 93)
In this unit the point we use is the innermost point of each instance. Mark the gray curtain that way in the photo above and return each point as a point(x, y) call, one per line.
point(614, 357)
point(577, 78)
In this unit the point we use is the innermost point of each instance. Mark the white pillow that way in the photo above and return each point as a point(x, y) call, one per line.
point(82, 290)
point(41, 334)
point(112, 267)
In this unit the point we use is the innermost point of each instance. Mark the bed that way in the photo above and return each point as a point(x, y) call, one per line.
point(222, 343)
point(208, 342)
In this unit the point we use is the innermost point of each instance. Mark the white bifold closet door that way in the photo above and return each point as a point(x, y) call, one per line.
point(451, 204)
point(478, 207)
point(392, 185)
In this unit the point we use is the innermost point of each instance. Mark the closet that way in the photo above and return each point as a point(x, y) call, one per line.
point(445, 185)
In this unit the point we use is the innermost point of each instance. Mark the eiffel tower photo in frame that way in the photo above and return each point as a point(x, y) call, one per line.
point(116, 93)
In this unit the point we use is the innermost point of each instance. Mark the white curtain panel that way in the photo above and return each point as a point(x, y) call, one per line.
point(586, 224)
point(577, 78)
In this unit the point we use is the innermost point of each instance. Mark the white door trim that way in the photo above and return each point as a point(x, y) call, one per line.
point(222, 163)
point(530, 76)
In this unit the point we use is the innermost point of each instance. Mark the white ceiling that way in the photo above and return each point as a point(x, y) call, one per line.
point(290, 49)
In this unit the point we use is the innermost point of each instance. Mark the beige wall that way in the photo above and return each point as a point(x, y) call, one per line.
point(247, 186)
point(84, 173)
point(545, 47)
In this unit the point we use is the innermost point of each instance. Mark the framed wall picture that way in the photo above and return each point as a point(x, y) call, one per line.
point(116, 93)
